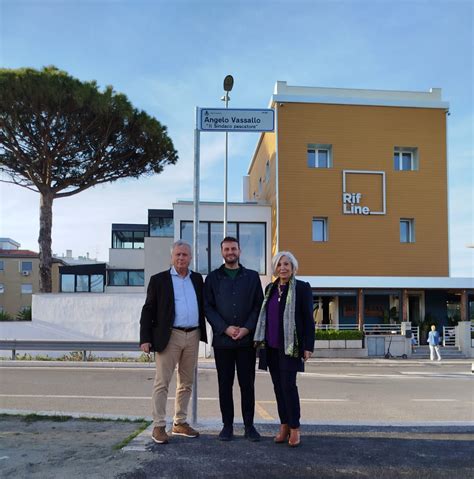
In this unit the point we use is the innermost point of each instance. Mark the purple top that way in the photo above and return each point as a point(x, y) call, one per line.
point(273, 319)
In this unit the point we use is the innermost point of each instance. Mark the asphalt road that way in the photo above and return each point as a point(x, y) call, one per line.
point(332, 392)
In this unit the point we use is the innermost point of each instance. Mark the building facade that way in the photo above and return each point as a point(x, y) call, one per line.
point(366, 171)
point(19, 277)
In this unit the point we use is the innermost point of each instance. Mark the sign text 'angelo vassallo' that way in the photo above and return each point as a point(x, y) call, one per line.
point(236, 119)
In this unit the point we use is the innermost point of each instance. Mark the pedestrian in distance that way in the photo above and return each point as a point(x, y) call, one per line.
point(433, 342)
point(172, 323)
point(285, 337)
point(232, 299)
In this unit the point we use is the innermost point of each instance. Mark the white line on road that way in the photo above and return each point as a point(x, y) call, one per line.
point(436, 400)
point(148, 398)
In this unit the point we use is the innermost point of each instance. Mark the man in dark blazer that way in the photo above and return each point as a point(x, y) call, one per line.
point(232, 299)
point(172, 324)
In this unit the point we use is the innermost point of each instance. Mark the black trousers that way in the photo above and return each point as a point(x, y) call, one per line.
point(227, 361)
point(286, 391)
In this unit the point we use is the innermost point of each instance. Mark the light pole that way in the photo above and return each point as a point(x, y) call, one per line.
point(228, 84)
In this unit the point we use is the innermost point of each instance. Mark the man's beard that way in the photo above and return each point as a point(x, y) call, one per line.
point(232, 261)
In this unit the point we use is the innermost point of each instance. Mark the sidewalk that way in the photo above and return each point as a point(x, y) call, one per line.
point(79, 448)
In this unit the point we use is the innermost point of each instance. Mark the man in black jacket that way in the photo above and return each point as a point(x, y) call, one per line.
point(232, 300)
point(171, 324)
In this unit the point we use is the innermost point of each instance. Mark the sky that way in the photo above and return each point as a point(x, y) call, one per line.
point(170, 56)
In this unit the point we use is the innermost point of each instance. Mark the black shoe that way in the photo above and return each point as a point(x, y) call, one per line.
point(251, 434)
point(226, 434)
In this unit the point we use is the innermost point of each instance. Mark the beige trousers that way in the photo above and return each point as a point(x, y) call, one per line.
point(182, 350)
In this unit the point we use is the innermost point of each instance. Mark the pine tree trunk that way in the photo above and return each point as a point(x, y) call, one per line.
point(44, 240)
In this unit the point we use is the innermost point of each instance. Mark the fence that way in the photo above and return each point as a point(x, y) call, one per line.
point(38, 345)
point(449, 336)
point(382, 328)
point(337, 327)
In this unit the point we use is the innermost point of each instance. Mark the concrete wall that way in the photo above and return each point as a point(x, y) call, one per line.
point(85, 316)
point(157, 256)
point(126, 258)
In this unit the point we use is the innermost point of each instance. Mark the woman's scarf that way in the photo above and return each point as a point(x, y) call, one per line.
point(289, 324)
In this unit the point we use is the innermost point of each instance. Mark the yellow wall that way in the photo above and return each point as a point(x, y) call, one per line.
point(363, 138)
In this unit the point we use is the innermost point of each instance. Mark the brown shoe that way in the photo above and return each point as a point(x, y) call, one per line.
point(184, 429)
point(159, 435)
point(283, 435)
point(294, 439)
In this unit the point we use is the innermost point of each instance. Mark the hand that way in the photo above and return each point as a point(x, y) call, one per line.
point(146, 347)
point(307, 355)
point(232, 331)
point(241, 333)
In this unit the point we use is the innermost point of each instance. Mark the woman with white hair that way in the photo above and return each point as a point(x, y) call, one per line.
point(285, 336)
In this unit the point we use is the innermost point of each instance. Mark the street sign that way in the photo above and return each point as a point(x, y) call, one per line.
point(236, 119)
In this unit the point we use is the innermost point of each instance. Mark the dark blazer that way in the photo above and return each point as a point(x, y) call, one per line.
point(232, 302)
point(156, 321)
point(305, 329)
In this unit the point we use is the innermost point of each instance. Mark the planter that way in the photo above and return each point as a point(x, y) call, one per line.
point(354, 343)
point(337, 343)
point(321, 344)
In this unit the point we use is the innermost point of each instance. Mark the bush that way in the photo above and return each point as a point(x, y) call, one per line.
point(4, 316)
point(24, 314)
point(338, 334)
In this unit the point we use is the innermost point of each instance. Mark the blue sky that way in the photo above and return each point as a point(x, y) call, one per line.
point(170, 56)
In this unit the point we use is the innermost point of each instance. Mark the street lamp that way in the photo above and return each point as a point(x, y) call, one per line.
point(228, 84)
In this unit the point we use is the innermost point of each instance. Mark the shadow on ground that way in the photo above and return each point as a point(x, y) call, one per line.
point(78, 448)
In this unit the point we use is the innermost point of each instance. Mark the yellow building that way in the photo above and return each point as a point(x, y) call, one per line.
point(19, 276)
point(357, 183)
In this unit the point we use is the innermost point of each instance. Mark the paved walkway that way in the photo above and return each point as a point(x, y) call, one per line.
point(85, 448)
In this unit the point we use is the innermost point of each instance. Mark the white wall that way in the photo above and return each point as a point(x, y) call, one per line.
point(157, 255)
point(124, 258)
point(81, 316)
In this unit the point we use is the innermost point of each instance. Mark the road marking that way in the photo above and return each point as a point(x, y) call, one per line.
point(436, 400)
point(262, 411)
point(3, 457)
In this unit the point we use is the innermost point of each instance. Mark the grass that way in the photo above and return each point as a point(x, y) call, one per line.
point(78, 356)
point(131, 436)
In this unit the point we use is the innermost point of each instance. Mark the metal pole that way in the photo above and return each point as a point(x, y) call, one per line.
point(196, 241)
point(226, 98)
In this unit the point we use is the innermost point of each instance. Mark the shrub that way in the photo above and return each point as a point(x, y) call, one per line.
point(24, 314)
point(4, 316)
point(338, 334)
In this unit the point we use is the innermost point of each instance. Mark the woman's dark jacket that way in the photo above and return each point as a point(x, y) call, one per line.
point(156, 322)
point(305, 329)
point(232, 302)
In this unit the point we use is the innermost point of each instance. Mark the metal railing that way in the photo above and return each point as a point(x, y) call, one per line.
point(382, 329)
point(449, 336)
point(337, 327)
point(84, 346)
point(415, 331)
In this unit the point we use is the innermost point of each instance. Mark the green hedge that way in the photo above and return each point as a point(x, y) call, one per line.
point(338, 334)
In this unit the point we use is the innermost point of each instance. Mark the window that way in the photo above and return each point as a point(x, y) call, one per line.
point(26, 266)
point(126, 277)
point(2, 265)
point(68, 283)
point(160, 223)
point(163, 227)
point(128, 239)
point(405, 158)
point(320, 229)
point(407, 230)
point(2, 288)
point(252, 238)
point(26, 288)
point(319, 156)
point(82, 283)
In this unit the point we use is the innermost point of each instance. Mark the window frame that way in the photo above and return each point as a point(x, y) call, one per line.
point(24, 285)
point(316, 148)
point(411, 230)
point(325, 222)
point(209, 238)
point(399, 151)
point(128, 271)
